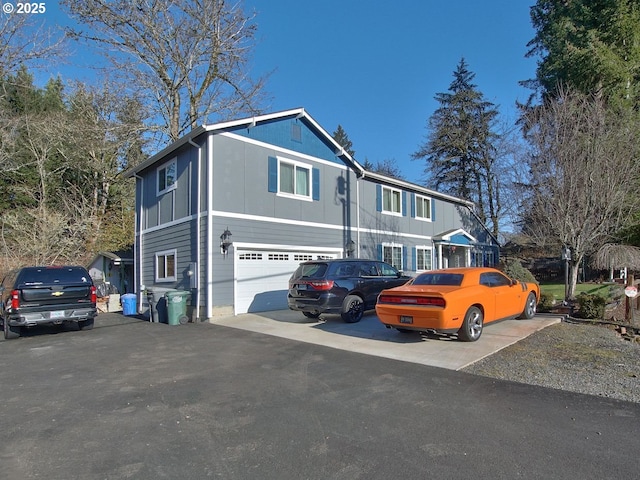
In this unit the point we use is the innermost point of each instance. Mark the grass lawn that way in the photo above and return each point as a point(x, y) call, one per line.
point(557, 289)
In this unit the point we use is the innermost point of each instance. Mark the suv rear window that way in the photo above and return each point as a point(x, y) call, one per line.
point(62, 276)
point(311, 270)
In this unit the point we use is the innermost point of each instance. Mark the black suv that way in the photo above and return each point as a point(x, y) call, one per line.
point(345, 286)
point(33, 296)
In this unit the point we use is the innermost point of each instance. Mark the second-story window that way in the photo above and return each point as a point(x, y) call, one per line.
point(423, 207)
point(391, 200)
point(294, 179)
point(167, 177)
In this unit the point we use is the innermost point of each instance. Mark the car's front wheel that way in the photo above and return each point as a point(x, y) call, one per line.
point(530, 307)
point(352, 309)
point(471, 328)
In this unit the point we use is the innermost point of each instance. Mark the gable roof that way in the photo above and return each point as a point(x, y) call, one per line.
point(298, 113)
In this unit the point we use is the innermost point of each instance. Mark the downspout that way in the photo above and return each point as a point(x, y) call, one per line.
point(209, 298)
point(139, 276)
point(198, 247)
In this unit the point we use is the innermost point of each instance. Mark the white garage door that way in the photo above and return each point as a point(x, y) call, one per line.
point(263, 277)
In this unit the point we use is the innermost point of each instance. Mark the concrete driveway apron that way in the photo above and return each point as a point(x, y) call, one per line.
point(370, 337)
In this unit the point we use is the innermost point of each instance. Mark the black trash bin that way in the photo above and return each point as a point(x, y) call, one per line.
point(158, 304)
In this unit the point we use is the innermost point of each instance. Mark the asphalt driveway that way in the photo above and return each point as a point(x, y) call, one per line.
point(138, 400)
point(371, 337)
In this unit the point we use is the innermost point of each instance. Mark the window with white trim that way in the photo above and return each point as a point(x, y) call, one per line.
point(167, 176)
point(391, 201)
point(424, 257)
point(294, 179)
point(392, 254)
point(166, 266)
point(423, 207)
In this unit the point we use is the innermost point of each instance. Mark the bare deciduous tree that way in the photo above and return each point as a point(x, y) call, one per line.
point(583, 169)
point(25, 41)
point(188, 59)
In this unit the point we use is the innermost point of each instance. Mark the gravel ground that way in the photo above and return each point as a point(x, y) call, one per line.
point(581, 358)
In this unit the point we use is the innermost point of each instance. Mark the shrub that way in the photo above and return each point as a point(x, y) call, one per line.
point(591, 306)
point(546, 303)
point(516, 271)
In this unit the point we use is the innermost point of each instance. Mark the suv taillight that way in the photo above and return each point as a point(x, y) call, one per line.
point(321, 284)
point(15, 299)
point(94, 296)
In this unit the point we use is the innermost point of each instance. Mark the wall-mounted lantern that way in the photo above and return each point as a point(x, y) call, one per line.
point(350, 248)
point(225, 241)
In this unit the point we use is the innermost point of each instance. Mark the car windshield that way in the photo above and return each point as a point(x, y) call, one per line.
point(451, 279)
point(311, 270)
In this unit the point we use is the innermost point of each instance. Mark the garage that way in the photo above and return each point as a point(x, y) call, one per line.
point(262, 277)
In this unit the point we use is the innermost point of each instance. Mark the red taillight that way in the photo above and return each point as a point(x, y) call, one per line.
point(94, 296)
point(399, 300)
point(321, 285)
point(15, 299)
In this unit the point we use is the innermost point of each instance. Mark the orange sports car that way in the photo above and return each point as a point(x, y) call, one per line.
point(456, 300)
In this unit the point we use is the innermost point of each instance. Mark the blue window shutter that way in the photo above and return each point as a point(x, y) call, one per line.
point(273, 174)
point(413, 206)
point(379, 198)
point(433, 210)
point(315, 183)
point(404, 204)
point(405, 252)
point(380, 256)
point(414, 259)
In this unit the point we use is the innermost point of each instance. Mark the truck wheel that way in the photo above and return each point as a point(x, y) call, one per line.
point(10, 332)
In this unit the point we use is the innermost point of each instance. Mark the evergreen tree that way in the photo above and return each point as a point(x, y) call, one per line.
point(459, 149)
point(342, 138)
point(590, 46)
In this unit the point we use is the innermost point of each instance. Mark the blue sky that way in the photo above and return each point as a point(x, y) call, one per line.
point(374, 68)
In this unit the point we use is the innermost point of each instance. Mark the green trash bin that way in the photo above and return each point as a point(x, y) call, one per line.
point(177, 307)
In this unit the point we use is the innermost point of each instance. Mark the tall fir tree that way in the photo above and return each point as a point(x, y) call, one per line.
point(342, 138)
point(458, 151)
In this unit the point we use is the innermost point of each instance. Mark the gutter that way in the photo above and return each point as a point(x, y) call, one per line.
point(140, 217)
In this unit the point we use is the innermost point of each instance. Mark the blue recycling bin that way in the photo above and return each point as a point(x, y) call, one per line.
point(128, 303)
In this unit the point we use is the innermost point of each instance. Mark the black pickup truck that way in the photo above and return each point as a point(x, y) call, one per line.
point(32, 296)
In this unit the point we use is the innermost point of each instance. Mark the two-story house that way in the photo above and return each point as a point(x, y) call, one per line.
point(230, 210)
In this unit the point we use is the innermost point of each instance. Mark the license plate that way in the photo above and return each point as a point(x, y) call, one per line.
point(302, 287)
point(57, 314)
point(406, 319)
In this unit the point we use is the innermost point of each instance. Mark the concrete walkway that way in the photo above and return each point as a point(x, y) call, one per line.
point(370, 337)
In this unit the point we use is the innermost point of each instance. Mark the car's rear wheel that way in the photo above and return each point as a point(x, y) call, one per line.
point(471, 328)
point(10, 332)
point(530, 307)
point(311, 314)
point(86, 324)
point(352, 309)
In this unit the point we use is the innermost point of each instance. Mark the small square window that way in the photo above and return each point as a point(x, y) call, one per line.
point(166, 266)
